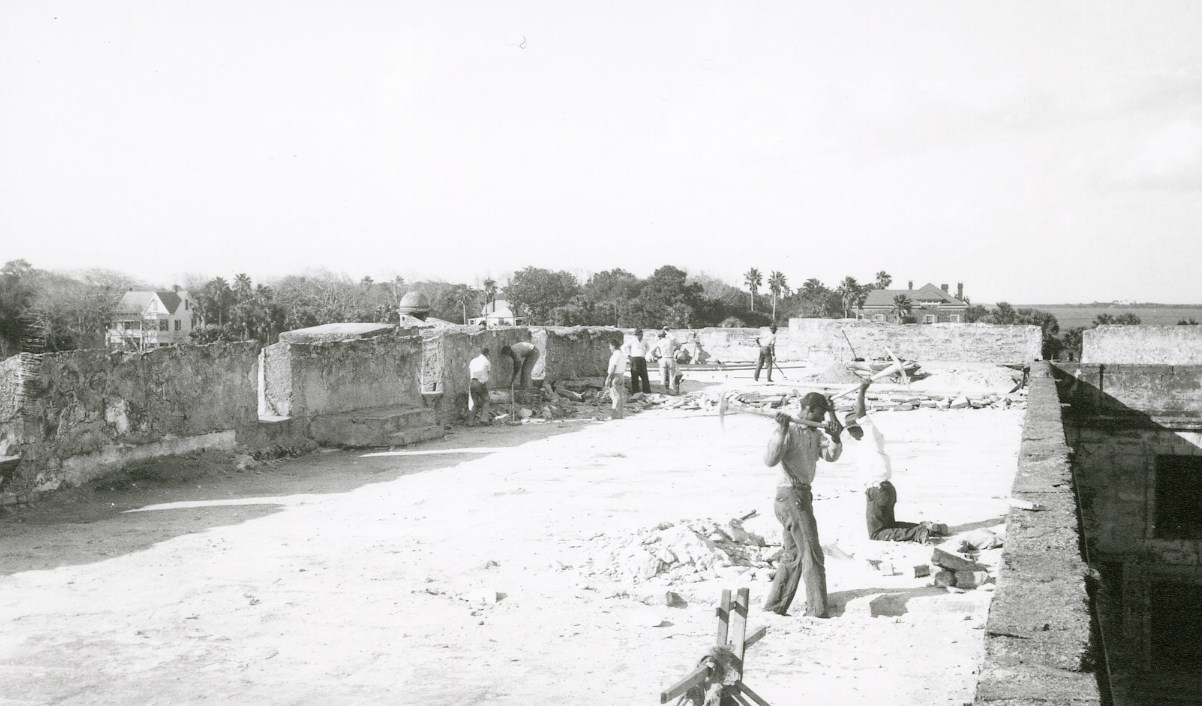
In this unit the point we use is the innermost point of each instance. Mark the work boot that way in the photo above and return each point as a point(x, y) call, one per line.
point(936, 528)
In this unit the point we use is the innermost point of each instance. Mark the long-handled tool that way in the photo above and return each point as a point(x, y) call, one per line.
point(724, 408)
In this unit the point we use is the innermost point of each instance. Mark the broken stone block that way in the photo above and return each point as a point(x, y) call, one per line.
point(920, 570)
point(673, 600)
point(945, 578)
point(954, 562)
point(960, 403)
point(971, 579)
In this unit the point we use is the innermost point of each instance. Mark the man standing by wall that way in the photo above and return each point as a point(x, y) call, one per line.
point(767, 344)
point(797, 450)
point(665, 349)
point(636, 350)
point(524, 355)
point(480, 368)
point(615, 382)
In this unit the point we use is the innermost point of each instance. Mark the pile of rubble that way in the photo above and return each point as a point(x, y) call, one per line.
point(689, 550)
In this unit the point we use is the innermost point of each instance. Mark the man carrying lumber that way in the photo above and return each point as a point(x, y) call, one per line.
point(477, 395)
point(524, 355)
point(796, 449)
point(767, 344)
point(615, 383)
point(876, 469)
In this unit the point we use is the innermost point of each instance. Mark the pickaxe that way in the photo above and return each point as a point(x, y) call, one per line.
point(724, 404)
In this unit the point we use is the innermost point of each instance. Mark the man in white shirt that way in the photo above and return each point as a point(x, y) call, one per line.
point(480, 369)
point(767, 344)
point(876, 469)
point(615, 383)
point(636, 350)
point(665, 349)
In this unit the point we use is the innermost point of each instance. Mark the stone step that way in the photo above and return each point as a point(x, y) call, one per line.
point(413, 436)
point(369, 427)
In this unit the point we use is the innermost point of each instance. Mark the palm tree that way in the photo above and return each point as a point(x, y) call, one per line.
point(753, 279)
point(851, 294)
point(779, 286)
point(490, 290)
point(902, 307)
point(883, 280)
point(464, 295)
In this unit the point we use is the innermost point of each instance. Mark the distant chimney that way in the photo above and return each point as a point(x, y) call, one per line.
point(175, 288)
point(960, 290)
point(943, 287)
point(910, 284)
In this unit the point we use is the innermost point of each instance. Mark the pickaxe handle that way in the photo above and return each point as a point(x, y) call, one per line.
point(898, 365)
point(772, 415)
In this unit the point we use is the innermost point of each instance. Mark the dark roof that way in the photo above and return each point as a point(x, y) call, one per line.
point(136, 302)
point(926, 293)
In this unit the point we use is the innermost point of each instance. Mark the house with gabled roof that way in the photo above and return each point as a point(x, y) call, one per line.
point(928, 304)
point(145, 320)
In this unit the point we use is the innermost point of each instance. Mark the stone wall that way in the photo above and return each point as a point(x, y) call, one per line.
point(309, 379)
point(567, 353)
point(1135, 390)
point(828, 340)
point(1038, 644)
point(1162, 345)
point(11, 375)
point(88, 412)
point(447, 352)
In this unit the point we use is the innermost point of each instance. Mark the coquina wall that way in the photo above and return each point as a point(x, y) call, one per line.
point(567, 353)
point(1157, 345)
point(11, 374)
point(309, 379)
point(829, 340)
point(447, 352)
point(84, 413)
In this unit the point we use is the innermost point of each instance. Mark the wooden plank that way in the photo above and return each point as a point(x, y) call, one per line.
point(738, 624)
point(755, 636)
point(746, 691)
point(723, 617)
point(695, 678)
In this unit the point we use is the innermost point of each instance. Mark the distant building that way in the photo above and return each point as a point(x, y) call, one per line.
point(929, 305)
point(147, 320)
point(497, 313)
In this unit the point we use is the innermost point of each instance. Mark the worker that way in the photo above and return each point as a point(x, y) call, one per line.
point(665, 350)
point(480, 368)
point(876, 470)
point(615, 383)
point(797, 449)
point(524, 355)
point(767, 345)
point(636, 351)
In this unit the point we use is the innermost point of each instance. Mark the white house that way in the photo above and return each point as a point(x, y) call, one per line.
point(147, 320)
point(497, 313)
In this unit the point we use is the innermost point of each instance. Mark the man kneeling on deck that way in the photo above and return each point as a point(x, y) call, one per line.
point(876, 469)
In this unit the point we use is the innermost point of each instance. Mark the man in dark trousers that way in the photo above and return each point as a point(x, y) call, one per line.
point(875, 470)
point(767, 344)
point(524, 355)
point(797, 450)
point(636, 352)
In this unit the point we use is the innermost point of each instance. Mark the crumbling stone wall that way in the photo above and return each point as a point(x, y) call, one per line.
point(88, 412)
point(447, 352)
point(1158, 345)
point(824, 341)
point(567, 353)
point(1038, 637)
point(308, 379)
point(1140, 390)
point(10, 406)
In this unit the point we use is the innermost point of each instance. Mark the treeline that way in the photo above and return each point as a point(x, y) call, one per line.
point(48, 311)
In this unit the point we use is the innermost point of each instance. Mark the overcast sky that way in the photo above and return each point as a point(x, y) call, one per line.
point(1039, 152)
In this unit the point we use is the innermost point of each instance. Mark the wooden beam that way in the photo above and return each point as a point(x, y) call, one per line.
point(755, 636)
point(746, 691)
point(723, 617)
point(695, 678)
point(738, 625)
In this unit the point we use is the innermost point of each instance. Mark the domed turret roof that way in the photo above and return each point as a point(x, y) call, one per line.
point(414, 304)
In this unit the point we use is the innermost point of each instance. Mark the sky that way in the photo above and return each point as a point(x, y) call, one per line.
point(1038, 152)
